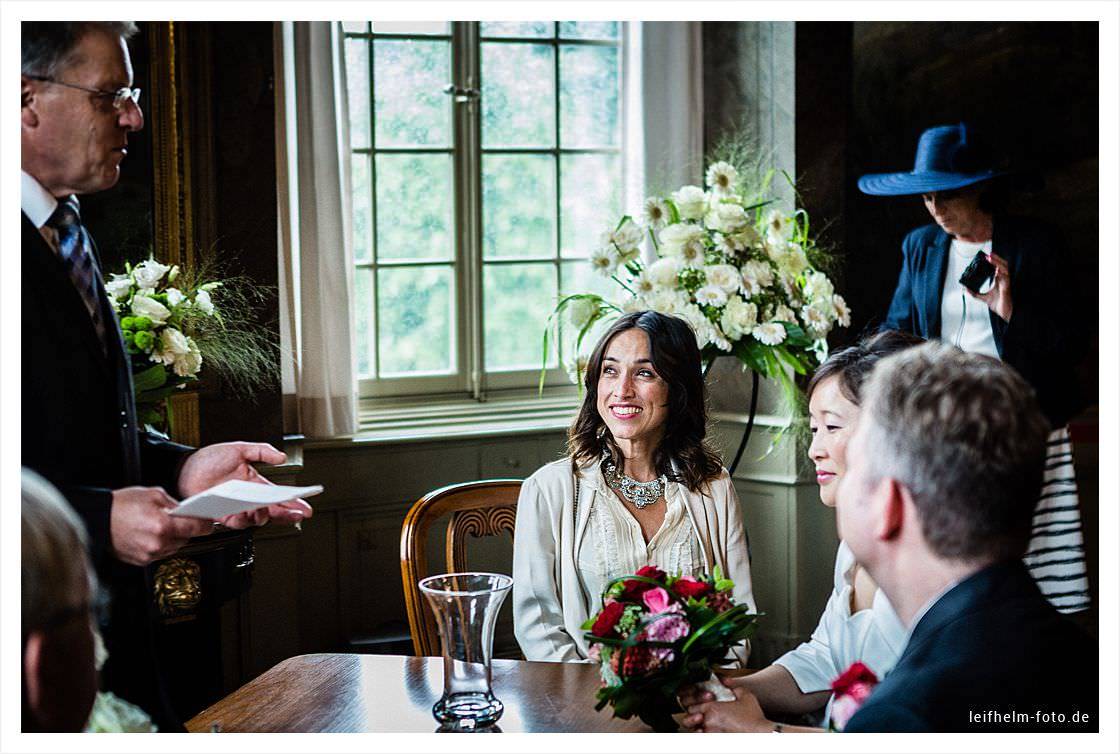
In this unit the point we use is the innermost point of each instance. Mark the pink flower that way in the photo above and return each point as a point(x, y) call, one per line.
point(668, 627)
point(657, 600)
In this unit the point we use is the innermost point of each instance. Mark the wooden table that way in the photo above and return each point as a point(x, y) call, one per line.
point(352, 693)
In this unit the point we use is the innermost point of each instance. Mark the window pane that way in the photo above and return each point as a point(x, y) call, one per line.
point(516, 29)
point(518, 107)
point(411, 27)
point(589, 29)
point(519, 205)
point(363, 318)
point(415, 314)
point(414, 206)
point(362, 207)
point(355, 27)
point(357, 90)
point(590, 186)
point(589, 96)
point(517, 301)
point(578, 277)
point(411, 108)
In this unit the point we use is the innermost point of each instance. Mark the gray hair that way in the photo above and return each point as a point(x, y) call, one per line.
point(55, 569)
point(964, 434)
point(47, 46)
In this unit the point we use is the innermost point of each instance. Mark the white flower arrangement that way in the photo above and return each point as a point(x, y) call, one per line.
point(740, 273)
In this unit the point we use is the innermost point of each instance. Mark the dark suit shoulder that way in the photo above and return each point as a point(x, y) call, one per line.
point(920, 238)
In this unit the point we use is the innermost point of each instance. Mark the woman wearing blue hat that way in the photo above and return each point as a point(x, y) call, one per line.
point(997, 284)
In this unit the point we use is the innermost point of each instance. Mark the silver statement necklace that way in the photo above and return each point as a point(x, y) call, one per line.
point(640, 494)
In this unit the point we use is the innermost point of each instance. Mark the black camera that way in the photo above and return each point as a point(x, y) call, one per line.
point(978, 272)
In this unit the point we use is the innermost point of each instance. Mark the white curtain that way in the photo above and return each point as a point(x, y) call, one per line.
point(316, 270)
point(664, 108)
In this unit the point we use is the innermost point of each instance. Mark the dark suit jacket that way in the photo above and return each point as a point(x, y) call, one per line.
point(991, 646)
point(1049, 329)
point(79, 431)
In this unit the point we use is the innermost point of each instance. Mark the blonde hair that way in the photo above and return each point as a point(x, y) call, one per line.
point(55, 570)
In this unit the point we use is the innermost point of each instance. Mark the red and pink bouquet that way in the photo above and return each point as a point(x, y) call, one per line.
point(850, 690)
point(657, 633)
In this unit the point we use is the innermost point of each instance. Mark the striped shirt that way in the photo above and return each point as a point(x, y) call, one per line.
point(1056, 553)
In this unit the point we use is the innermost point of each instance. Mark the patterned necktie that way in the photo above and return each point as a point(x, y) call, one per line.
point(77, 256)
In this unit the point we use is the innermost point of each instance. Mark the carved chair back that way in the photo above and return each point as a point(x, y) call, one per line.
point(476, 509)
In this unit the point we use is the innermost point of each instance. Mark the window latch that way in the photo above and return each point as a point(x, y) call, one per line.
point(462, 94)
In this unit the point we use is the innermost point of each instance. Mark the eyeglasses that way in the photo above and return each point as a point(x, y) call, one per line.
point(120, 96)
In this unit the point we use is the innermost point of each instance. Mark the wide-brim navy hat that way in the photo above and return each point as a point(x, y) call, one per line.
point(948, 157)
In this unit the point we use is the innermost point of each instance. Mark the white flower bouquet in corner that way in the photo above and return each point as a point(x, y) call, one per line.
point(171, 326)
point(742, 273)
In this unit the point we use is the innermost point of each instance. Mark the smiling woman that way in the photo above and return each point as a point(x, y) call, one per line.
point(640, 487)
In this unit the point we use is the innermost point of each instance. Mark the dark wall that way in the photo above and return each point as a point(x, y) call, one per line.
point(233, 106)
point(1031, 87)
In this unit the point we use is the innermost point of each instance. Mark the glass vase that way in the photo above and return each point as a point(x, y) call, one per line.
point(466, 610)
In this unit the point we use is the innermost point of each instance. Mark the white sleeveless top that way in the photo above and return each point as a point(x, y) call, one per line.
point(874, 636)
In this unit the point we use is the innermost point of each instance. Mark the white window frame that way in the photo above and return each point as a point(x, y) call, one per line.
point(383, 400)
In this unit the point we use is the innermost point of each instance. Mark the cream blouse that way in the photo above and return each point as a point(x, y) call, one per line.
point(614, 545)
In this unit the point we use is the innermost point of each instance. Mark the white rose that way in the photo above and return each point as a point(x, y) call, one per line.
point(665, 301)
point(118, 285)
point(174, 297)
point(747, 237)
point(691, 202)
point(680, 234)
point(769, 333)
point(189, 363)
point(818, 287)
point(143, 306)
point(841, 312)
point(634, 304)
point(723, 276)
point(726, 217)
point(148, 273)
point(738, 318)
point(779, 227)
point(711, 295)
point(664, 272)
point(203, 302)
point(581, 310)
point(757, 274)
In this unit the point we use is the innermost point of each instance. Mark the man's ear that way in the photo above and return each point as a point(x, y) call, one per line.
point(28, 92)
point(32, 670)
point(892, 508)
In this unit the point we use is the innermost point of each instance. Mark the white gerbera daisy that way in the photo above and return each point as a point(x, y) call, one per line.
point(711, 295)
point(692, 254)
point(643, 284)
point(769, 333)
point(722, 177)
point(728, 245)
point(656, 212)
point(779, 227)
point(604, 261)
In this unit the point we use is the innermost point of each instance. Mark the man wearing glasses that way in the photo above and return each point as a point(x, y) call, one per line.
point(79, 429)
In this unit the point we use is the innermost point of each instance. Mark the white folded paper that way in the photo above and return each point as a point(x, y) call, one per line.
point(236, 496)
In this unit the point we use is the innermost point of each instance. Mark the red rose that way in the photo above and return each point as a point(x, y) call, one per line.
point(686, 588)
point(632, 590)
point(856, 681)
point(608, 619)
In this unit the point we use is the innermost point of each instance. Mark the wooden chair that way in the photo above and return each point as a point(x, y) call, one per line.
point(477, 509)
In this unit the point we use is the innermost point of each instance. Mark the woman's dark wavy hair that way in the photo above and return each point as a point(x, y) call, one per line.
point(853, 364)
point(676, 359)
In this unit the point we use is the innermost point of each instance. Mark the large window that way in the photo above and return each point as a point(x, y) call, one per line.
point(487, 161)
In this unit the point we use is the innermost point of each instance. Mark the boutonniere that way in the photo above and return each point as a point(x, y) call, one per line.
point(850, 690)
